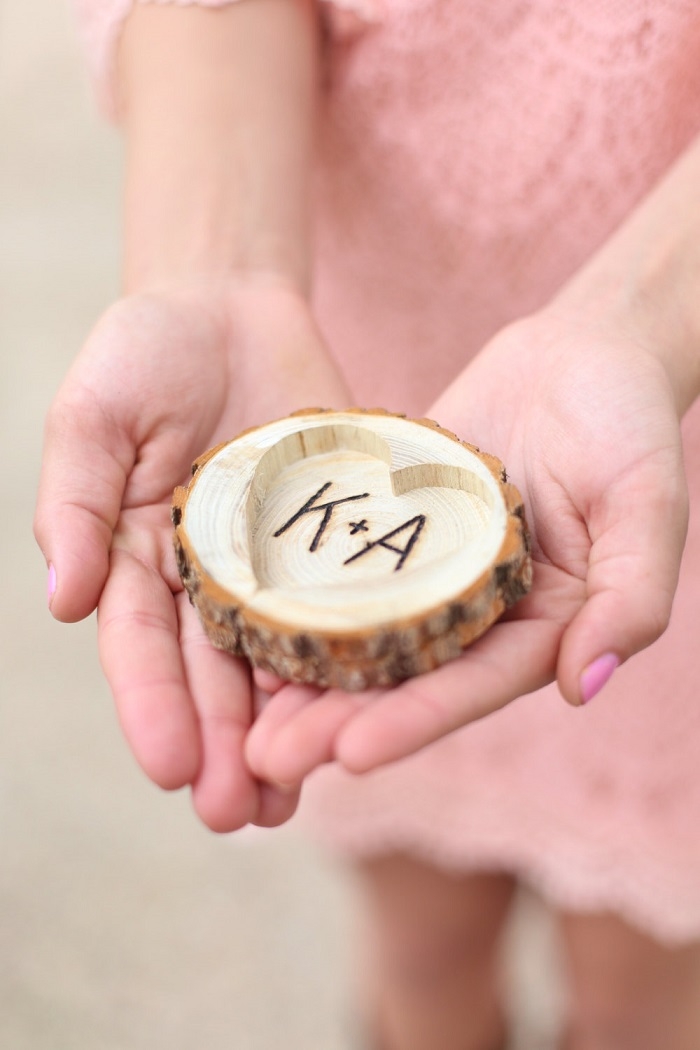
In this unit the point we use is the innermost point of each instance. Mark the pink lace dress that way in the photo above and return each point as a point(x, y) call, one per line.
point(473, 154)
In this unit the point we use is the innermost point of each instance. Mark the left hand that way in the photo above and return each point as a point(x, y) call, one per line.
point(163, 376)
point(583, 415)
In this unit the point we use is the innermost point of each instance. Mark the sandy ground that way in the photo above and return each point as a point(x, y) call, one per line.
point(124, 925)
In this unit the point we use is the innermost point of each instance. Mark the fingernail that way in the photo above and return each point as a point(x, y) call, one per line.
point(597, 674)
point(284, 789)
point(51, 585)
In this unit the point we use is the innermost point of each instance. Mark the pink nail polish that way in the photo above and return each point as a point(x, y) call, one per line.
point(597, 674)
point(51, 586)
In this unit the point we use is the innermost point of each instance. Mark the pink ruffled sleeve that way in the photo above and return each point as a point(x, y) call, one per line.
point(101, 21)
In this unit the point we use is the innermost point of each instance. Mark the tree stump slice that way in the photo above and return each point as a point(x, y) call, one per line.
point(350, 549)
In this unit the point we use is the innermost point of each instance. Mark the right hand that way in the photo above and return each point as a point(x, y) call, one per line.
point(582, 409)
point(163, 377)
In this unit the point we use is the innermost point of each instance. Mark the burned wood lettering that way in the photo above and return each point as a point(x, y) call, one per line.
point(310, 506)
point(418, 523)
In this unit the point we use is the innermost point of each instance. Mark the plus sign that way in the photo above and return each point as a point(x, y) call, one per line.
point(358, 526)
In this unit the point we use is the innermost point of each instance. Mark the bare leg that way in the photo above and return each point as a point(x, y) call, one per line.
point(434, 966)
point(629, 992)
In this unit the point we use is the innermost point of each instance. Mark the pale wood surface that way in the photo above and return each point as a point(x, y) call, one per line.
point(350, 548)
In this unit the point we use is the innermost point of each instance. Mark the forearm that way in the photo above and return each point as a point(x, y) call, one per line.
point(646, 278)
point(218, 112)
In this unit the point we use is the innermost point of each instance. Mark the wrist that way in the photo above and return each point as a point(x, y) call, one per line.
point(200, 260)
point(644, 283)
point(647, 307)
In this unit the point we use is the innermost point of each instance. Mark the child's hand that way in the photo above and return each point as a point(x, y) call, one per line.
point(162, 378)
point(585, 420)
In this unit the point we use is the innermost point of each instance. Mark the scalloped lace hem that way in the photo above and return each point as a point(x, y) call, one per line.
point(582, 880)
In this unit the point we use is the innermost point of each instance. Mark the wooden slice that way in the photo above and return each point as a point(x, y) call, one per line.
point(349, 549)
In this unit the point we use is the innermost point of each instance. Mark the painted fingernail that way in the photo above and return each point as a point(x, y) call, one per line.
point(51, 584)
point(597, 674)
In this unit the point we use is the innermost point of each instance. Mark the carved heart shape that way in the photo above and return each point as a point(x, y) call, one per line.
point(326, 511)
point(344, 528)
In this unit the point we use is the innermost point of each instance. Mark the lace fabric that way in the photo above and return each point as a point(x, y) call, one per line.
point(473, 154)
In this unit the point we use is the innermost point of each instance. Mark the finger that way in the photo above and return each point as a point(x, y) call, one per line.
point(140, 654)
point(277, 804)
point(280, 709)
point(85, 465)
point(307, 739)
point(512, 659)
point(268, 681)
point(224, 793)
point(638, 537)
point(276, 807)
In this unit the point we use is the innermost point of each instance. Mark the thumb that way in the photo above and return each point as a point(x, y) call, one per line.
point(85, 465)
point(637, 543)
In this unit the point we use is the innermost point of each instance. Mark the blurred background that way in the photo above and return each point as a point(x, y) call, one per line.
point(125, 925)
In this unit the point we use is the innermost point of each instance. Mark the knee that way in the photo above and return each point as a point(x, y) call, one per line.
point(421, 956)
point(629, 992)
point(427, 927)
point(429, 948)
point(605, 1023)
point(625, 1013)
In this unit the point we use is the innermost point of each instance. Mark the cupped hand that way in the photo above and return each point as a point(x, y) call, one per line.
point(584, 417)
point(163, 377)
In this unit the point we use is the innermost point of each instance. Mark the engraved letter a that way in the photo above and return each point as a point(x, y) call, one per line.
point(418, 522)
